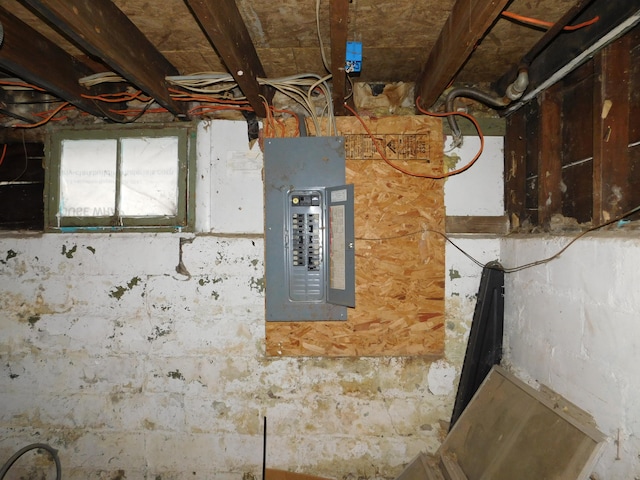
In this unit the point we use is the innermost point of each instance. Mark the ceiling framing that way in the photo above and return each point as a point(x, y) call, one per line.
point(52, 44)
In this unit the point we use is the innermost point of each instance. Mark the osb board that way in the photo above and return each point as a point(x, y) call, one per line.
point(399, 261)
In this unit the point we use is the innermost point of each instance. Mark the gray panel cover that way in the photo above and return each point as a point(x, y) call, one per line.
point(292, 164)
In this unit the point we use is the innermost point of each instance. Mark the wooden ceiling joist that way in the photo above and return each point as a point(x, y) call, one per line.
point(32, 57)
point(467, 24)
point(339, 13)
point(101, 29)
point(224, 27)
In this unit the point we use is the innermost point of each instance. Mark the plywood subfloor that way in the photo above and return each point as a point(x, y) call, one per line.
point(399, 259)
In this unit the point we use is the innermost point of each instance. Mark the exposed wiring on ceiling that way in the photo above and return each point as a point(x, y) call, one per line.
point(20, 85)
point(212, 87)
point(136, 115)
point(119, 97)
point(45, 120)
point(205, 82)
point(182, 96)
point(217, 89)
point(425, 175)
point(301, 89)
point(102, 77)
point(541, 23)
point(506, 269)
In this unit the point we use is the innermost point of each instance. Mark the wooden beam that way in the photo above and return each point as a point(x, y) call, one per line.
point(549, 158)
point(224, 27)
point(495, 225)
point(103, 30)
point(339, 12)
point(467, 24)
point(611, 116)
point(36, 60)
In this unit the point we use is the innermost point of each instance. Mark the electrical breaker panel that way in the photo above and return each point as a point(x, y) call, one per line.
point(310, 258)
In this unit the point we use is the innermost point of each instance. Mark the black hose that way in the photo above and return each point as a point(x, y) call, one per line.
point(53, 452)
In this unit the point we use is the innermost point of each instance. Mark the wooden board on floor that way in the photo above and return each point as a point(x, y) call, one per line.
point(399, 257)
point(511, 431)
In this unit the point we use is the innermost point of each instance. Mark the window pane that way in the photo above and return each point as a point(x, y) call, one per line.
point(88, 178)
point(149, 181)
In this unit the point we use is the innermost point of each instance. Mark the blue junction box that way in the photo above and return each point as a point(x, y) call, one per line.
point(354, 57)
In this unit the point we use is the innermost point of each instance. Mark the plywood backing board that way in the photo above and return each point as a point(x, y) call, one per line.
point(399, 257)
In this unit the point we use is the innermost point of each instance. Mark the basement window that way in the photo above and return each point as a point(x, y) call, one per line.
point(120, 179)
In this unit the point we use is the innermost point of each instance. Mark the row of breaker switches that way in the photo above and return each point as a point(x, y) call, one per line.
point(306, 240)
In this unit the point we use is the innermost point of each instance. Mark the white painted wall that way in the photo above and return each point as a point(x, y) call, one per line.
point(573, 324)
point(479, 190)
point(131, 369)
point(134, 370)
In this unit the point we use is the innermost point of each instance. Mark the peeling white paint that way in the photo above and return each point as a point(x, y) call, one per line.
point(132, 369)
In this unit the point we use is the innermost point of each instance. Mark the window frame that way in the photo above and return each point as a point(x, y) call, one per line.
point(184, 219)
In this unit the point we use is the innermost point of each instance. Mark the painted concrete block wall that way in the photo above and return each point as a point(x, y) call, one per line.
point(572, 325)
point(135, 369)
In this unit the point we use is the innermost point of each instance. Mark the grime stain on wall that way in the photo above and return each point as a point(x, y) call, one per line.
point(33, 319)
point(158, 332)
point(453, 274)
point(119, 290)
point(176, 375)
point(257, 284)
point(69, 252)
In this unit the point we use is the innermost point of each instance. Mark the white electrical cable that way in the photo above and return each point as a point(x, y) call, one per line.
point(324, 58)
point(300, 88)
point(102, 77)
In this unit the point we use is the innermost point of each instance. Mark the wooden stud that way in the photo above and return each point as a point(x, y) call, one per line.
point(611, 112)
point(549, 157)
point(339, 12)
point(514, 168)
point(103, 30)
point(222, 23)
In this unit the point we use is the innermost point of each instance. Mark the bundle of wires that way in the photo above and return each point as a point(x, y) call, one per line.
point(301, 88)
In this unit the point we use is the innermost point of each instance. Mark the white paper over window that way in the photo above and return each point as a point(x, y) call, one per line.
point(88, 178)
point(149, 179)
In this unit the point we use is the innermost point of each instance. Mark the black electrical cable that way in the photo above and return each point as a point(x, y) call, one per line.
point(43, 446)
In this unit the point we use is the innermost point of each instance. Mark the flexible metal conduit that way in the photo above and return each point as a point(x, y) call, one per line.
point(513, 92)
point(52, 451)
